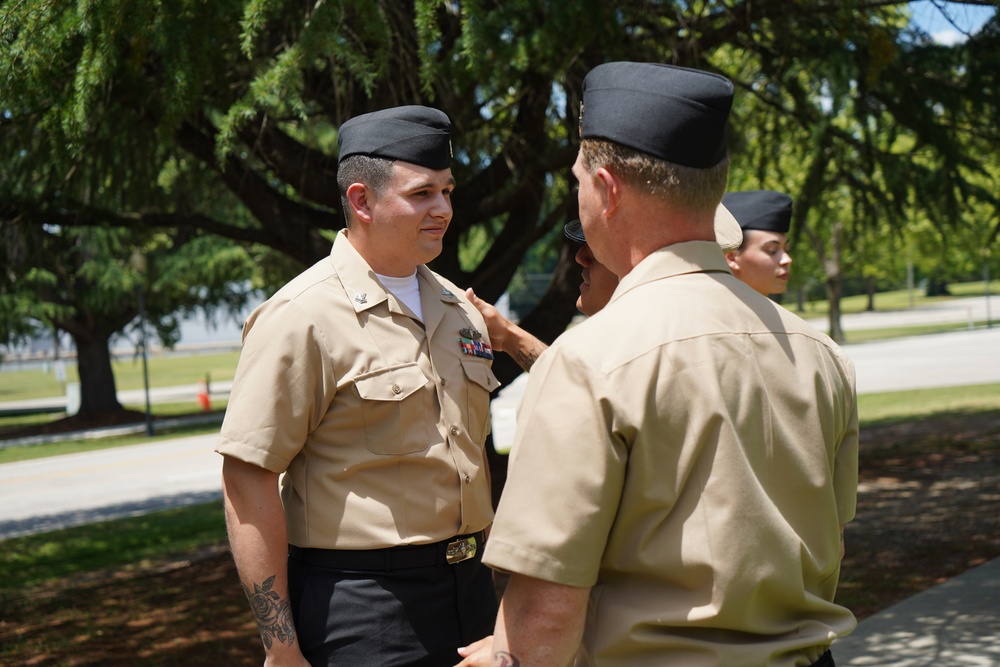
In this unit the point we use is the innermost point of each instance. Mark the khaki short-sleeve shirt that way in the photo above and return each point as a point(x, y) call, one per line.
point(689, 453)
point(376, 420)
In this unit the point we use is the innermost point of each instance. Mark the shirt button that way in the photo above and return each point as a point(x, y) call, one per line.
point(467, 479)
point(454, 430)
point(443, 382)
point(396, 389)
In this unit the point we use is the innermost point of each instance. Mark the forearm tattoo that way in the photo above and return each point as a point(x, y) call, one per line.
point(504, 659)
point(273, 614)
point(527, 359)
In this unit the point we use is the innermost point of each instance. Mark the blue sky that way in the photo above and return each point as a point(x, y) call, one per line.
point(967, 19)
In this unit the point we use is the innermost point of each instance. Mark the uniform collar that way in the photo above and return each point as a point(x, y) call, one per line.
point(675, 260)
point(364, 291)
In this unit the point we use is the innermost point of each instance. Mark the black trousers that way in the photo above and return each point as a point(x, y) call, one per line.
point(825, 660)
point(413, 616)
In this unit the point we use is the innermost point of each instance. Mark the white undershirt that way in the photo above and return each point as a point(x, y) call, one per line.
point(405, 289)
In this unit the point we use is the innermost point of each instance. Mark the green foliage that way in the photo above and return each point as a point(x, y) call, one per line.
point(194, 118)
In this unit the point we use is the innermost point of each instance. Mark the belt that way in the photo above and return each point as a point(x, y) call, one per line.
point(446, 552)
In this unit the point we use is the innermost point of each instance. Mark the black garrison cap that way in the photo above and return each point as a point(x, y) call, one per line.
point(574, 231)
point(673, 113)
point(727, 231)
point(416, 134)
point(760, 209)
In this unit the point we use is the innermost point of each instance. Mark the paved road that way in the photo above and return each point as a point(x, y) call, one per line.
point(77, 489)
point(938, 360)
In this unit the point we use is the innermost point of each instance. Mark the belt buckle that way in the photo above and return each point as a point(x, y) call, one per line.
point(460, 550)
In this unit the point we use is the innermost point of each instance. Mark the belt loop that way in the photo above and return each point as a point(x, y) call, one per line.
point(387, 560)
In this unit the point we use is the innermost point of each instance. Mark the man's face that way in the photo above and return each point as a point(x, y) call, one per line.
point(410, 217)
point(598, 282)
point(763, 262)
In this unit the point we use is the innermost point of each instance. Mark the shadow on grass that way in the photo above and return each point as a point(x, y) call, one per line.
point(83, 517)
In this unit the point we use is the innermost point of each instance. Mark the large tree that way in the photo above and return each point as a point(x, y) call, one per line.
point(883, 124)
point(91, 282)
point(239, 100)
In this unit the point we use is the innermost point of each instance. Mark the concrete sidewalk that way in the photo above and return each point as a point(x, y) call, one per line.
point(954, 624)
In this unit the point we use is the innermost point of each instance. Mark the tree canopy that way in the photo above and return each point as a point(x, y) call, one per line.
point(193, 118)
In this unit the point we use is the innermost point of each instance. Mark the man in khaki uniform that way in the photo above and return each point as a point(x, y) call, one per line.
point(684, 459)
point(355, 478)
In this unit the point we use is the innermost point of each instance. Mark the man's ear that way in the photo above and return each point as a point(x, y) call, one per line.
point(610, 187)
point(359, 197)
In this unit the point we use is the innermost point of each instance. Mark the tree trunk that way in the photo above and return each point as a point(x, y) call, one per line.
point(870, 286)
point(937, 287)
point(98, 393)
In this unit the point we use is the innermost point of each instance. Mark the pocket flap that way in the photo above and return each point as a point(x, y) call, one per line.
point(390, 384)
point(480, 373)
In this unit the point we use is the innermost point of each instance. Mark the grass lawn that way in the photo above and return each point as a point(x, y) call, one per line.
point(899, 406)
point(165, 370)
point(33, 559)
point(891, 301)
point(871, 335)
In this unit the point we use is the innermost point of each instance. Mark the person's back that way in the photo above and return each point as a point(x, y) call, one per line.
point(722, 546)
point(684, 460)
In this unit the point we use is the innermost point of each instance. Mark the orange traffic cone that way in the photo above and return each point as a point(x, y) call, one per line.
point(202, 396)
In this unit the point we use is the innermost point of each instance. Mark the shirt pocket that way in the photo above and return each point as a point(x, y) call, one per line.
point(481, 381)
point(396, 410)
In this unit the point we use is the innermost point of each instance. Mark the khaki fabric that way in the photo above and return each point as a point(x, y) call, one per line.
point(376, 421)
point(689, 453)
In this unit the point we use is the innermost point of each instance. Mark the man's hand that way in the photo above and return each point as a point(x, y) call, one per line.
point(497, 326)
point(505, 336)
point(477, 654)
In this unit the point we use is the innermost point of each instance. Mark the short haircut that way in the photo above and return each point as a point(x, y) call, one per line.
point(372, 172)
point(690, 187)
